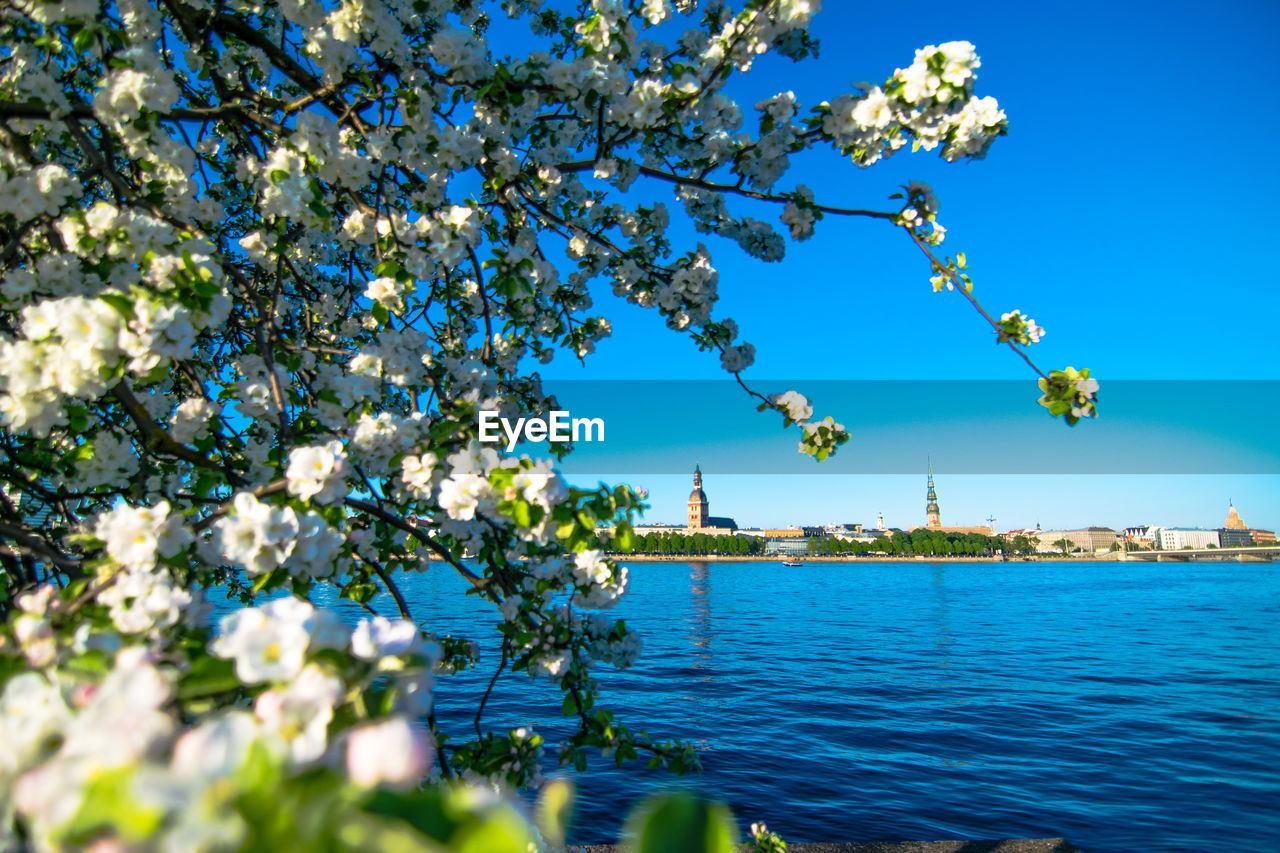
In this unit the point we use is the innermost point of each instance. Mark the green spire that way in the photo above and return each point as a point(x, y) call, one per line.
point(931, 507)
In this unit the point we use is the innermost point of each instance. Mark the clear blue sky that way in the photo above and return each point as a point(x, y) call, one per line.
point(1129, 211)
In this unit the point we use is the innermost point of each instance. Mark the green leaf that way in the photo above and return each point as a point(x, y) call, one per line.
point(270, 581)
point(108, 804)
point(122, 304)
point(624, 539)
point(501, 831)
point(360, 593)
point(681, 823)
point(555, 808)
point(365, 832)
point(77, 418)
point(92, 663)
point(83, 40)
point(208, 676)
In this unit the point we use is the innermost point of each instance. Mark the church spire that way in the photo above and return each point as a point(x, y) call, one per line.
point(699, 510)
point(932, 513)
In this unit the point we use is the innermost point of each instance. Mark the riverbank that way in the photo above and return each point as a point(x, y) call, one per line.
point(1012, 845)
point(1110, 557)
point(835, 558)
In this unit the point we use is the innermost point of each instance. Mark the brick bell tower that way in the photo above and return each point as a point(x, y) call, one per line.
point(698, 511)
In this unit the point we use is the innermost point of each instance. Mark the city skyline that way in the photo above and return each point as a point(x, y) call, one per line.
point(773, 501)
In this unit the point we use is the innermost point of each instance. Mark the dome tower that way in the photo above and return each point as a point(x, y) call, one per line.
point(698, 508)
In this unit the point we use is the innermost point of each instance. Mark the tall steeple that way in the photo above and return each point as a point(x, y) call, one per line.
point(931, 508)
point(698, 508)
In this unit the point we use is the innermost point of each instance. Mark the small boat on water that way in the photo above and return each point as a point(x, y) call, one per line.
point(792, 563)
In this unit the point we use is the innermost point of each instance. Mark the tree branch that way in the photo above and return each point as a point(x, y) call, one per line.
point(399, 523)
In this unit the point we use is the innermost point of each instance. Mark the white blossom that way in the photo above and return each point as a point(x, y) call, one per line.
point(798, 408)
point(390, 753)
point(267, 643)
point(317, 473)
point(380, 637)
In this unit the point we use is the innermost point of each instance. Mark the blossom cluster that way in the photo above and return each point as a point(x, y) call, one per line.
point(928, 104)
point(77, 741)
point(821, 438)
point(262, 537)
point(1019, 329)
point(1070, 394)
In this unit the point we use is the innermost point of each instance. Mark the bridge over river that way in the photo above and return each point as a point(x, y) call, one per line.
point(1242, 554)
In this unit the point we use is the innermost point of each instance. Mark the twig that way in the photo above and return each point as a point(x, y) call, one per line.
point(502, 664)
point(399, 523)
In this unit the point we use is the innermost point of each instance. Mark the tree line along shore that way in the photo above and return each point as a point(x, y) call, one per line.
point(917, 543)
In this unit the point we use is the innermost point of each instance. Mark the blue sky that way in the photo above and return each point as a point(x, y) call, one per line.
point(1128, 212)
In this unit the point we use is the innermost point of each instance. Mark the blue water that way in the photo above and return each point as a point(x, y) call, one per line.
point(1124, 706)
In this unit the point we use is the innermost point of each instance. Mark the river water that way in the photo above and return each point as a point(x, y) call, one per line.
point(1124, 706)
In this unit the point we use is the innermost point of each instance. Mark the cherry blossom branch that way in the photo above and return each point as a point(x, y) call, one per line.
point(157, 440)
point(502, 664)
point(275, 487)
point(38, 547)
point(399, 523)
point(963, 289)
point(396, 595)
point(733, 189)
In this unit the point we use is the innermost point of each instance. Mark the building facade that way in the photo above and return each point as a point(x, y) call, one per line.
point(1089, 540)
point(1140, 536)
point(1178, 538)
point(1232, 537)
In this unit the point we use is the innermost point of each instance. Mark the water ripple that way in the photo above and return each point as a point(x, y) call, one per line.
point(1124, 706)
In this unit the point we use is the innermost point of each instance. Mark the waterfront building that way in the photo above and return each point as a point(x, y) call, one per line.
point(1260, 535)
point(1140, 537)
point(1089, 540)
point(1031, 533)
point(775, 547)
point(700, 518)
point(1234, 537)
point(643, 529)
point(774, 532)
point(1178, 538)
